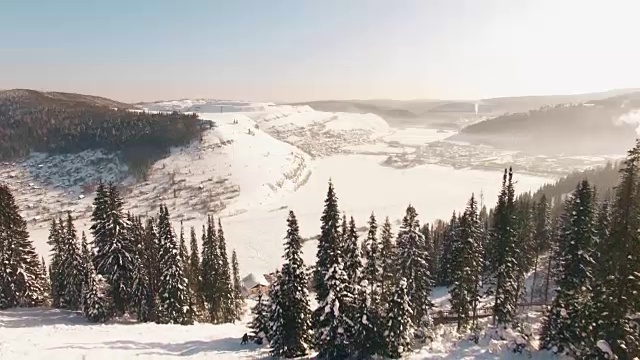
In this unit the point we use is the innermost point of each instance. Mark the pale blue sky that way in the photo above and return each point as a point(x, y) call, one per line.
point(291, 50)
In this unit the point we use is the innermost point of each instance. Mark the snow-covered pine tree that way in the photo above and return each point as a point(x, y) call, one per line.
point(238, 299)
point(151, 258)
point(398, 326)
point(373, 268)
point(541, 238)
point(184, 254)
point(174, 301)
point(210, 273)
point(46, 284)
point(567, 327)
point(293, 336)
point(467, 267)
point(327, 243)
point(20, 275)
point(72, 266)
point(367, 338)
point(113, 250)
point(425, 230)
point(450, 237)
point(413, 265)
point(335, 329)
point(97, 304)
point(225, 288)
point(351, 254)
point(260, 323)
point(615, 299)
point(387, 256)
point(506, 254)
point(142, 296)
point(56, 276)
point(194, 265)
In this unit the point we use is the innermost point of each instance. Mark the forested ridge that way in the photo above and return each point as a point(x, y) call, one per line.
point(32, 121)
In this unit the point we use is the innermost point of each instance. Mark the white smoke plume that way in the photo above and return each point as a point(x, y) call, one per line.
point(631, 118)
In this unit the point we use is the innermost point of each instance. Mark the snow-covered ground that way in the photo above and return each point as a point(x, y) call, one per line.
point(250, 168)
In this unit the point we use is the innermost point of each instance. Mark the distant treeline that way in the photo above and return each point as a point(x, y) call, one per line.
point(44, 124)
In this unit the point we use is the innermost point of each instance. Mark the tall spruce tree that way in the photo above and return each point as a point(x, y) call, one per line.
point(351, 254)
point(398, 325)
point(334, 332)
point(225, 288)
point(467, 267)
point(142, 296)
point(372, 272)
point(57, 279)
point(194, 264)
point(210, 273)
point(293, 334)
point(413, 265)
point(113, 250)
point(20, 269)
point(567, 325)
point(174, 301)
point(367, 339)
point(387, 256)
point(97, 304)
point(72, 266)
point(328, 243)
point(618, 271)
point(238, 299)
point(506, 254)
point(541, 238)
point(151, 260)
point(260, 323)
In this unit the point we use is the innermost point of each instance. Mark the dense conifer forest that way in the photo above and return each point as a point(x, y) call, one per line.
point(32, 121)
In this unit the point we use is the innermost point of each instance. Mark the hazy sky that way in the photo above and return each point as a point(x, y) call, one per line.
point(294, 50)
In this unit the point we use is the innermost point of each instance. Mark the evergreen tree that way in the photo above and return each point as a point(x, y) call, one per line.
point(72, 266)
point(566, 321)
point(46, 284)
point(327, 243)
point(506, 252)
point(97, 305)
point(334, 332)
point(617, 285)
point(260, 324)
point(367, 339)
point(292, 335)
point(373, 268)
point(20, 269)
point(174, 302)
point(57, 279)
point(150, 257)
point(542, 237)
point(238, 299)
point(387, 257)
point(398, 324)
point(143, 298)
point(351, 253)
point(184, 254)
point(450, 238)
point(413, 266)
point(194, 264)
point(225, 285)
point(210, 273)
point(113, 250)
point(467, 267)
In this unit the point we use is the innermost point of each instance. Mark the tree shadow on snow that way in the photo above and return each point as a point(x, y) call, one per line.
point(188, 348)
point(38, 317)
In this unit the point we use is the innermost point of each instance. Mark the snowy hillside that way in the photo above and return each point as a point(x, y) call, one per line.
point(250, 168)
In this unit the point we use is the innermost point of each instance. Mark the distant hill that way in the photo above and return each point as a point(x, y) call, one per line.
point(600, 126)
point(453, 114)
point(53, 97)
point(55, 122)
